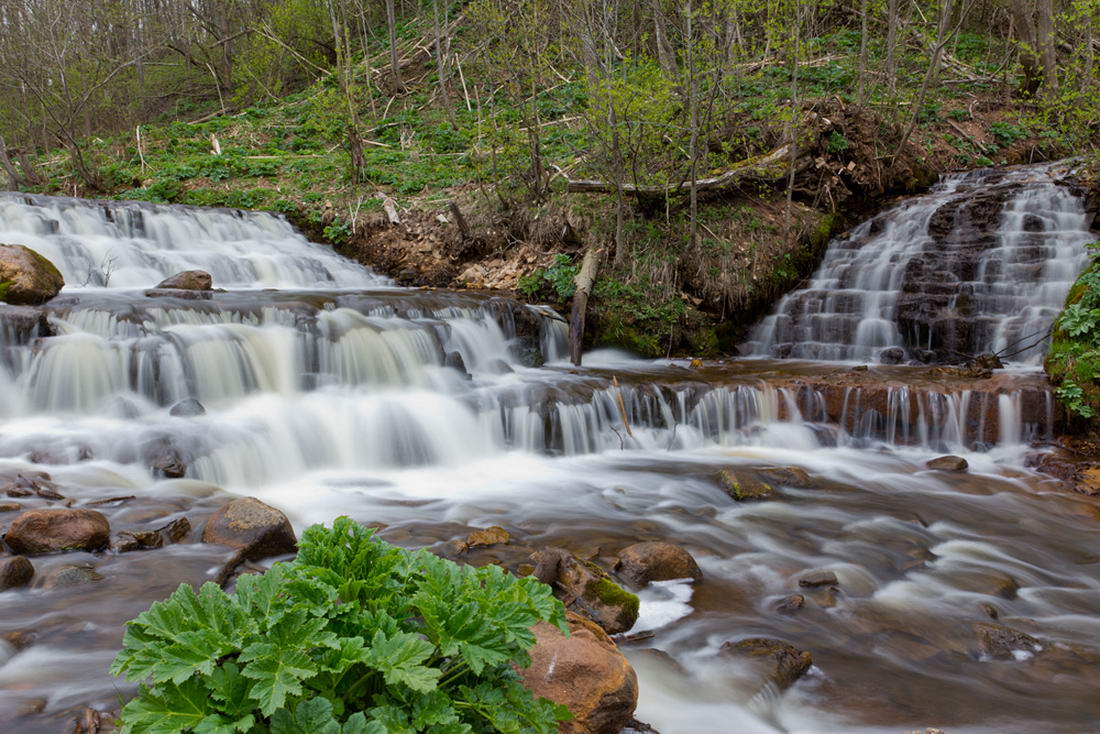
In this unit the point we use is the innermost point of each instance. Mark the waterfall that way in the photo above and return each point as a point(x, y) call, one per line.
point(982, 263)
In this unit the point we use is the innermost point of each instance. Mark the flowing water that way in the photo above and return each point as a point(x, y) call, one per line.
point(425, 413)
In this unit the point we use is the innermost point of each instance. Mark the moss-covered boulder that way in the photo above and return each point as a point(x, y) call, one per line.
point(27, 278)
point(587, 589)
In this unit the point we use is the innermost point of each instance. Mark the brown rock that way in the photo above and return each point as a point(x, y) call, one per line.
point(259, 530)
point(131, 540)
point(584, 672)
point(15, 571)
point(790, 604)
point(489, 536)
point(819, 578)
point(642, 563)
point(780, 663)
point(1003, 643)
point(10, 507)
point(27, 278)
point(948, 463)
point(587, 589)
point(189, 280)
point(58, 529)
point(743, 485)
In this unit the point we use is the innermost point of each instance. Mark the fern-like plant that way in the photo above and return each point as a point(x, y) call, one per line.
point(355, 636)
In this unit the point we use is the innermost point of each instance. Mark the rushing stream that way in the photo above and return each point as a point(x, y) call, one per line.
point(423, 412)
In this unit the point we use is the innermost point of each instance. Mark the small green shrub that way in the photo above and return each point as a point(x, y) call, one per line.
point(1007, 133)
point(1073, 361)
point(355, 636)
point(559, 278)
point(837, 143)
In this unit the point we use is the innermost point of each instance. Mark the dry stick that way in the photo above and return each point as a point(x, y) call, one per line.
point(621, 405)
point(141, 153)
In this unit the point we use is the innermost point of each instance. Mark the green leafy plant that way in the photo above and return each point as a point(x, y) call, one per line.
point(559, 277)
point(355, 636)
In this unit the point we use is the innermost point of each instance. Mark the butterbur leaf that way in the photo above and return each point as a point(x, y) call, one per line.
point(399, 659)
point(277, 673)
point(309, 717)
point(221, 724)
point(230, 689)
point(166, 709)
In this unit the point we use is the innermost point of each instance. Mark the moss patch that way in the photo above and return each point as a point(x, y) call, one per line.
point(610, 594)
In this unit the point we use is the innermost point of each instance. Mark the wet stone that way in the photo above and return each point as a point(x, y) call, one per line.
point(191, 280)
point(57, 529)
point(15, 571)
point(790, 604)
point(259, 530)
point(742, 485)
point(10, 507)
point(779, 662)
point(587, 589)
point(643, 563)
point(948, 463)
point(132, 540)
point(71, 575)
point(999, 642)
point(818, 578)
point(187, 408)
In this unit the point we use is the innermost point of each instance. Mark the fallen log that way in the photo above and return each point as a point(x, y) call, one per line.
point(584, 279)
point(767, 168)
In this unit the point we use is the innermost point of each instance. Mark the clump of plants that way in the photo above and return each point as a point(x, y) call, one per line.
point(556, 282)
point(1073, 361)
point(355, 636)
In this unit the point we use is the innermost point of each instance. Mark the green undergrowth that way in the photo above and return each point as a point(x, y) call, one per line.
point(1073, 361)
point(354, 636)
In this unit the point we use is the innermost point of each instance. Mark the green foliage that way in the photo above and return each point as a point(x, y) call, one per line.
point(1007, 133)
point(1073, 361)
point(338, 233)
point(558, 278)
point(837, 143)
point(355, 636)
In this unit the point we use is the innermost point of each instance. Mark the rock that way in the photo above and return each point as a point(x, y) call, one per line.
point(584, 672)
point(15, 571)
point(70, 575)
point(10, 507)
point(641, 563)
point(819, 578)
point(743, 485)
point(790, 604)
point(779, 663)
point(58, 529)
point(27, 278)
point(20, 640)
point(131, 540)
point(187, 408)
point(23, 486)
point(587, 589)
point(169, 463)
point(260, 531)
point(893, 355)
point(948, 463)
point(1004, 643)
point(488, 536)
point(188, 280)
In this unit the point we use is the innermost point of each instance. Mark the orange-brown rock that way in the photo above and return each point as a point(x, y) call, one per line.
point(779, 663)
point(58, 529)
point(258, 530)
point(584, 672)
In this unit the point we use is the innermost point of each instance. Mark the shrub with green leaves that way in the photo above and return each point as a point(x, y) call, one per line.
point(1073, 361)
point(355, 636)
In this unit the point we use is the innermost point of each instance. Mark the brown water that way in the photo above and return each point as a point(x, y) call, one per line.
point(421, 412)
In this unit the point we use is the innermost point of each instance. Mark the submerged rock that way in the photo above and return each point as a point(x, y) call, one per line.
point(584, 672)
point(743, 485)
point(819, 578)
point(258, 530)
point(778, 662)
point(587, 589)
point(187, 408)
point(188, 280)
point(27, 278)
point(790, 604)
point(998, 642)
point(948, 463)
point(131, 540)
point(642, 563)
point(15, 571)
point(71, 575)
point(59, 529)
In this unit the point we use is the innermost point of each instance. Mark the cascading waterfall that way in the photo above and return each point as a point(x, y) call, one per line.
point(980, 264)
point(427, 411)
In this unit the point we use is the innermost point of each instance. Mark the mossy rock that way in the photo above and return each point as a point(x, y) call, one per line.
point(587, 589)
point(27, 278)
point(742, 485)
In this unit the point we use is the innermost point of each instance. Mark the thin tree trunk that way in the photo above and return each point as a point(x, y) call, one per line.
point(391, 29)
point(861, 93)
point(586, 277)
point(16, 181)
point(892, 44)
point(1045, 33)
point(439, 65)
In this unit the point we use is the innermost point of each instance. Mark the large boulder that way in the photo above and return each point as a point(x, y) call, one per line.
point(587, 589)
point(584, 672)
point(257, 530)
point(189, 280)
point(27, 278)
point(58, 529)
point(642, 563)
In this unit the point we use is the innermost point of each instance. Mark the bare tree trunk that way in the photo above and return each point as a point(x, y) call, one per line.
point(391, 29)
point(892, 44)
point(861, 92)
point(944, 34)
point(1027, 36)
point(665, 56)
point(16, 181)
point(1045, 33)
point(586, 276)
point(439, 65)
point(693, 142)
